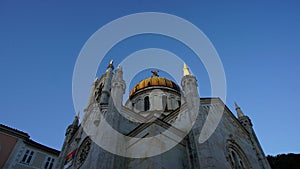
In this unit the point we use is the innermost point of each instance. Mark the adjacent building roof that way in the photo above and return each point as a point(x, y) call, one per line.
point(25, 136)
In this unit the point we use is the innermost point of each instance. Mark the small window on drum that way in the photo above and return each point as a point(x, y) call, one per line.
point(146, 103)
point(164, 103)
point(179, 103)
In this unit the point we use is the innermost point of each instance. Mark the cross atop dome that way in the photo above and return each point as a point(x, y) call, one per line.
point(155, 73)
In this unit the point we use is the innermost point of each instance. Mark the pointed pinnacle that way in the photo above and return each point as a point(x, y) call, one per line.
point(236, 105)
point(184, 66)
point(78, 114)
point(119, 67)
point(111, 64)
point(186, 71)
point(238, 110)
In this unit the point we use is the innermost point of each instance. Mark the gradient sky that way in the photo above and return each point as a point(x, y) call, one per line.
point(258, 43)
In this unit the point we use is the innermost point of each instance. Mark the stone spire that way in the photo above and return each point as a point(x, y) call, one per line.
point(72, 128)
point(78, 115)
point(118, 87)
point(247, 124)
point(76, 121)
point(119, 68)
point(186, 71)
point(118, 76)
point(190, 88)
point(70, 132)
point(188, 81)
point(238, 110)
point(244, 120)
point(107, 84)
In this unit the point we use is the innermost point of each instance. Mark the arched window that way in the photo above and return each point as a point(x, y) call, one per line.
point(146, 103)
point(236, 157)
point(236, 160)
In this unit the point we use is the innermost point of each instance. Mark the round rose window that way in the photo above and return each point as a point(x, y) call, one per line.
point(83, 152)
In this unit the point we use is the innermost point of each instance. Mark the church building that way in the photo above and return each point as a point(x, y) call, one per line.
point(158, 127)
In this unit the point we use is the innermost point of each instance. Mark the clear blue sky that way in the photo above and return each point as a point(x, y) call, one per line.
point(258, 43)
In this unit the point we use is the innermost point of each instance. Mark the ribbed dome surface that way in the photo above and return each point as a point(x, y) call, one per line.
point(154, 81)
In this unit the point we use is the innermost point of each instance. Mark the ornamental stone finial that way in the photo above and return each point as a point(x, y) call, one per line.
point(78, 114)
point(119, 67)
point(111, 65)
point(186, 71)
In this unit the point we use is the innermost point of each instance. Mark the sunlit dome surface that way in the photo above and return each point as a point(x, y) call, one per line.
point(154, 81)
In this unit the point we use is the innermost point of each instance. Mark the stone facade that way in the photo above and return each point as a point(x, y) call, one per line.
point(157, 108)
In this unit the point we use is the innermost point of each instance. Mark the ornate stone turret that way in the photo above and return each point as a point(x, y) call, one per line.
point(246, 122)
point(118, 87)
point(107, 84)
point(189, 86)
point(191, 96)
point(71, 130)
point(238, 110)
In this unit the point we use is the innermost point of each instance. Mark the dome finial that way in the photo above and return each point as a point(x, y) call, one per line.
point(186, 71)
point(155, 73)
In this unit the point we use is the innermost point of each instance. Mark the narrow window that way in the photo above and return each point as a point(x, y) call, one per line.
point(179, 103)
point(49, 163)
point(146, 103)
point(27, 157)
point(164, 103)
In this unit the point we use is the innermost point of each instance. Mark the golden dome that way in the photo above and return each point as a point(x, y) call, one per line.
point(154, 81)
